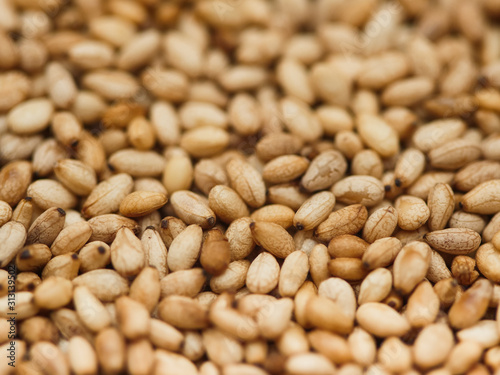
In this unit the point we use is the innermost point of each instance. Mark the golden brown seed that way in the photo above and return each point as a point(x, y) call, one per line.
point(318, 264)
point(208, 174)
point(76, 176)
point(53, 293)
point(351, 269)
point(232, 279)
point(472, 305)
point(141, 203)
point(82, 356)
point(380, 224)
point(348, 220)
point(192, 208)
point(105, 227)
point(71, 238)
point(36, 329)
point(31, 116)
point(234, 323)
point(273, 237)
point(204, 141)
point(487, 258)
point(23, 212)
point(277, 144)
point(227, 204)
point(288, 195)
point(91, 152)
point(94, 255)
point(381, 320)
point(463, 356)
point(459, 241)
point(377, 134)
point(146, 288)
point(12, 237)
point(33, 257)
point(367, 163)
point(15, 178)
point(247, 181)
point(65, 265)
point(47, 226)
point(284, 169)
point(274, 213)
point(325, 169)
point(133, 318)
point(476, 173)
point(454, 154)
point(50, 193)
point(463, 269)
point(381, 253)
point(299, 119)
point(240, 238)
point(323, 313)
point(423, 305)
point(293, 273)
point(127, 255)
point(111, 350)
point(49, 357)
point(183, 312)
point(411, 265)
point(215, 252)
point(106, 197)
point(375, 286)
point(433, 345)
point(185, 248)
point(183, 283)
point(483, 199)
point(263, 274)
point(409, 167)
point(178, 173)
point(412, 212)
point(365, 190)
point(347, 246)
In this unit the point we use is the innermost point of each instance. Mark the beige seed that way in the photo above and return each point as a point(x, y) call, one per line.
point(232, 322)
point(318, 264)
point(411, 265)
point(363, 347)
point(76, 176)
point(105, 227)
point(351, 269)
point(433, 345)
point(91, 152)
point(47, 226)
point(72, 238)
point(377, 134)
point(111, 84)
point(49, 193)
point(204, 141)
point(141, 134)
point(482, 199)
point(476, 173)
point(381, 253)
point(53, 293)
point(341, 292)
point(94, 255)
point(65, 265)
point(394, 355)
point(185, 248)
point(408, 91)
point(463, 356)
point(441, 204)
point(381, 320)
point(380, 224)
point(412, 212)
point(293, 273)
point(137, 163)
point(240, 238)
point(347, 246)
point(454, 154)
point(426, 182)
point(192, 208)
point(457, 241)
point(324, 313)
point(274, 145)
point(232, 279)
point(288, 195)
point(367, 163)
point(325, 169)
point(91, 311)
point(111, 350)
point(274, 320)
point(30, 117)
point(208, 174)
point(284, 169)
point(244, 114)
point(423, 305)
point(461, 219)
point(247, 181)
point(82, 356)
point(15, 178)
point(46, 155)
point(487, 258)
point(33, 257)
point(227, 204)
point(332, 346)
point(409, 167)
point(437, 133)
point(273, 237)
point(183, 312)
point(133, 318)
point(365, 190)
point(183, 283)
point(472, 305)
point(178, 173)
point(196, 114)
point(375, 286)
point(331, 84)
point(377, 72)
point(263, 274)
point(348, 220)
point(141, 203)
point(61, 85)
point(105, 284)
point(127, 255)
point(482, 333)
point(49, 357)
point(165, 336)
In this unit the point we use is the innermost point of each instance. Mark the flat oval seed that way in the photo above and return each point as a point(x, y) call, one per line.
point(441, 204)
point(365, 190)
point(293, 273)
point(263, 274)
point(381, 320)
point(325, 169)
point(471, 305)
point(377, 134)
point(380, 224)
point(488, 262)
point(412, 212)
point(314, 211)
point(50, 193)
point(141, 203)
point(483, 199)
point(348, 220)
point(433, 345)
point(273, 237)
point(284, 169)
point(458, 241)
point(247, 181)
point(192, 209)
point(29, 117)
point(227, 204)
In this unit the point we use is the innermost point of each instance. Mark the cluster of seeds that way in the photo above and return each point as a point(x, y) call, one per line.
point(249, 187)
